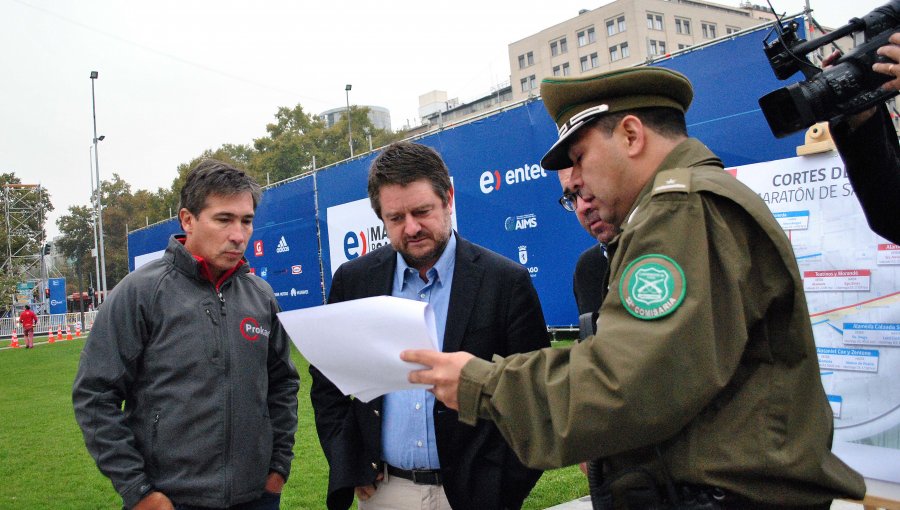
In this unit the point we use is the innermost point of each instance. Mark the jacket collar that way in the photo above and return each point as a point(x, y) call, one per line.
point(196, 267)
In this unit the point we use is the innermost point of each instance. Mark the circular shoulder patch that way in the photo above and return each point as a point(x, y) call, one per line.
point(652, 286)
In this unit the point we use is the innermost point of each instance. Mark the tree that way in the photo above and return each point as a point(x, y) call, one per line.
point(77, 239)
point(296, 143)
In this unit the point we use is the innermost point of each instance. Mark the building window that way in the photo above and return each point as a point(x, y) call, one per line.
point(526, 60)
point(683, 46)
point(558, 47)
point(654, 21)
point(683, 26)
point(562, 70)
point(731, 30)
point(619, 52)
point(709, 30)
point(529, 83)
point(586, 36)
point(656, 48)
point(615, 25)
point(590, 62)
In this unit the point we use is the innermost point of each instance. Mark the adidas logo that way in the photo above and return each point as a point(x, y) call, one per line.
point(282, 246)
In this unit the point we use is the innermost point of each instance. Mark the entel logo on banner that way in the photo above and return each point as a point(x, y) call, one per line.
point(491, 181)
point(258, 248)
point(364, 241)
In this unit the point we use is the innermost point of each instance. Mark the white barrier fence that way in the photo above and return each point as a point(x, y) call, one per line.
point(49, 324)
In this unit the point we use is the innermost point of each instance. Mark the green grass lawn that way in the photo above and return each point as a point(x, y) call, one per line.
point(44, 465)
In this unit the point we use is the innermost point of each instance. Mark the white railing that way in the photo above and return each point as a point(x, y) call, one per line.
point(49, 323)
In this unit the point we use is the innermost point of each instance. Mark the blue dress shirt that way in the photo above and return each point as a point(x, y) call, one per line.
point(407, 423)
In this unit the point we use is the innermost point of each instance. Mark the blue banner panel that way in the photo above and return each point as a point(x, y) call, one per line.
point(504, 200)
point(284, 249)
point(57, 295)
point(349, 227)
point(729, 77)
point(149, 243)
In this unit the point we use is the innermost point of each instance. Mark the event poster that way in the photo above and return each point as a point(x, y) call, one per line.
point(852, 281)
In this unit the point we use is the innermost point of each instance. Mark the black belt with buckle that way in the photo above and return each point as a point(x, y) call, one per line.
point(419, 476)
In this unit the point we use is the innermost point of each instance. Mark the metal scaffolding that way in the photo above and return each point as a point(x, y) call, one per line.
point(24, 214)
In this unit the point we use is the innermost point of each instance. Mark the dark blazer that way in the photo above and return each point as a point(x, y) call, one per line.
point(493, 309)
point(590, 286)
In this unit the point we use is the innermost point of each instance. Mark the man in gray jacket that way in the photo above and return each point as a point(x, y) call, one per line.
point(191, 345)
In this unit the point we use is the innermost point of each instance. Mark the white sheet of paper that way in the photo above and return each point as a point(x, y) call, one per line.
point(357, 344)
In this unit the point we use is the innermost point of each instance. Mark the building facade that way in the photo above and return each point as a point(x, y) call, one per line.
point(621, 34)
point(378, 115)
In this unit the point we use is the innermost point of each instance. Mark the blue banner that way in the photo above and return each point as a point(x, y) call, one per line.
point(284, 249)
point(57, 300)
point(505, 201)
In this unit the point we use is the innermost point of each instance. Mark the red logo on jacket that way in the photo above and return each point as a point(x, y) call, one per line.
point(252, 330)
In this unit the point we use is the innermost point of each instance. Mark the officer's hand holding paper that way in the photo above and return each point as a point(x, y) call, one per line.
point(357, 344)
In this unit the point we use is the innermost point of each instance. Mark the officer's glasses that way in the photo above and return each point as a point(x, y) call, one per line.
point(569, 200)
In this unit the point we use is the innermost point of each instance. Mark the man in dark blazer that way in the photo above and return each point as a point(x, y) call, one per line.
point(589, 280)
point(492, 309)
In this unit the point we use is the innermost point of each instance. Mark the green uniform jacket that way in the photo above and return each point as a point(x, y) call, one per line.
point(722, 379)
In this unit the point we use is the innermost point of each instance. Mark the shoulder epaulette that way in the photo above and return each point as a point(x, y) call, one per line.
point(676, 180)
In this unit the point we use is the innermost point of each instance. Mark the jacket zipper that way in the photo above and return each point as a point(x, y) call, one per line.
point(226, 357)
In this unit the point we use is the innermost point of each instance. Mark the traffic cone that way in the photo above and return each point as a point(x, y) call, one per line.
point(50, 338)
point(15, 340)
point(77, 330)
point(68, 332)
point(58, 332)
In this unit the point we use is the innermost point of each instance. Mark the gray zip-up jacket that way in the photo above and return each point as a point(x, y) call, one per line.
point(205, 374)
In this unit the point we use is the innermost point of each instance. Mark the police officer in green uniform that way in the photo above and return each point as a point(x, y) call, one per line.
point(701, 388)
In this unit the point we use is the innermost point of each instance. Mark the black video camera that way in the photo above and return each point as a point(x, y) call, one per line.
point(849, 86)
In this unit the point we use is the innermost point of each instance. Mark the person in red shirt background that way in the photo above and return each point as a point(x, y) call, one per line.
point(28, 320)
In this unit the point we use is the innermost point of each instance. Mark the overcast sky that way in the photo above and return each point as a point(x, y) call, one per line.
point(179, 77)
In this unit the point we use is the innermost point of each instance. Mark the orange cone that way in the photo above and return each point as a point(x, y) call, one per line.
point(68, 332)
point(77, 330)
point(50, 338)
point(15, 340)
point(58, 332)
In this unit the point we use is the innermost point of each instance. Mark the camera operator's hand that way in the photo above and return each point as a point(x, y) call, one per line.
point(891, 51)
point(857, 120)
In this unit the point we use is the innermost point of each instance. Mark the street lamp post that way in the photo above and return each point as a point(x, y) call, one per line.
point(368, 136)
point(349, 128)
point(99, 206)
point(94, 223)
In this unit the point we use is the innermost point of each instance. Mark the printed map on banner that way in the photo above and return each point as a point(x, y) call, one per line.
point(852, 281)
